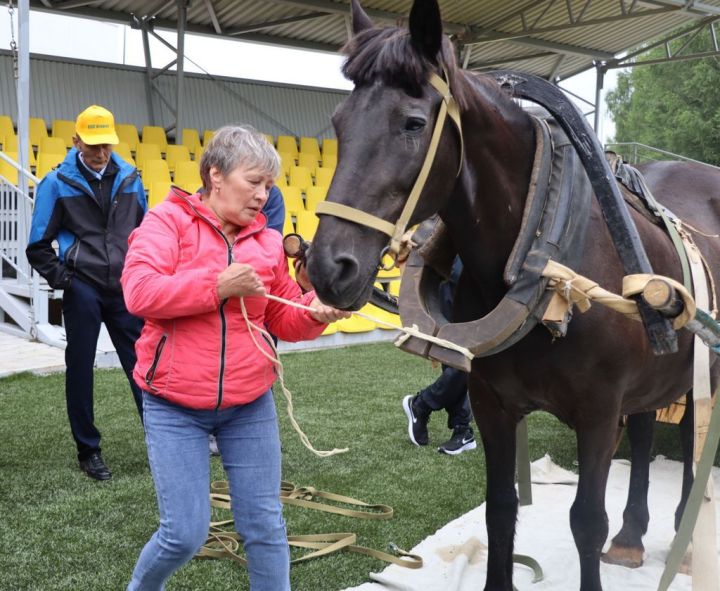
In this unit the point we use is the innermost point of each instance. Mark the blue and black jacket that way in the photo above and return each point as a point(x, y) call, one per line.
point(92, 245)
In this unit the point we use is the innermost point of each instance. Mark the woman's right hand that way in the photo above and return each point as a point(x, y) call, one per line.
point(239, 280)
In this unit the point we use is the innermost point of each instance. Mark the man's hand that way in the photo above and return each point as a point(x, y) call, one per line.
point(239, 280)
point(301, 275)
point(325, 313)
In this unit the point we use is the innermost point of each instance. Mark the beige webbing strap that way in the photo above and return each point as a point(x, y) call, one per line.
point(705, 576)
point(224, 542)
point(355, 215)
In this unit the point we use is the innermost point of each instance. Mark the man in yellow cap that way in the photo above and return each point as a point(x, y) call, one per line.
point(90, 204)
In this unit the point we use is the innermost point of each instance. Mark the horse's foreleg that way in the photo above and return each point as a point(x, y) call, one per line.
point(588, 519)
point(497, 429)
point(627, 548)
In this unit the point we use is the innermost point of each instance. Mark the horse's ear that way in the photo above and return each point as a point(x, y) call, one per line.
point(360, 19)
point(426, 28)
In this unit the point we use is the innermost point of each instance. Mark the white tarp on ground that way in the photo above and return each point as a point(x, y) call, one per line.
point(455, 556)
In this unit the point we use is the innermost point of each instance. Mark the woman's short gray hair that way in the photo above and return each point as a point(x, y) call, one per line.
point(236, 146)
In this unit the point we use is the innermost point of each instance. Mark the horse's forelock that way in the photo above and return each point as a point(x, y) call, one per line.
point(388, 55)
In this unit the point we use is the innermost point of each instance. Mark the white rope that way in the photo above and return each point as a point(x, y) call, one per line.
point(409, 331)
point(286, 392)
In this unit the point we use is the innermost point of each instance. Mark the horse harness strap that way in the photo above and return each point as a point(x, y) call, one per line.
point(397, 231)
point(224, 542)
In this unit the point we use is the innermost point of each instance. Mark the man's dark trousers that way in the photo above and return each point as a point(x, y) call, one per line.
point(85, 307)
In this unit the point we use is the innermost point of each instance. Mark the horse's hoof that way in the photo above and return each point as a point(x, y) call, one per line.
point(623, 556)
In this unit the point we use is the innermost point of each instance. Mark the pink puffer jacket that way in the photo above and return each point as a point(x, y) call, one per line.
point(195, 350)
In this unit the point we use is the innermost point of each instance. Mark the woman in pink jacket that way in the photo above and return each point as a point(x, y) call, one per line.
point(189, 264)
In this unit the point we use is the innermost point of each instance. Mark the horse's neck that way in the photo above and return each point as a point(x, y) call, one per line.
point(488, 201)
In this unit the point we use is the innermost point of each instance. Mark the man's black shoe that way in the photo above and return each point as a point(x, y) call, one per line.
point(462, 440)
point(417, 420)
point(95, 467)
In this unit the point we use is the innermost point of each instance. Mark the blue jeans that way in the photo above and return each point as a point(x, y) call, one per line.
point(249, 442)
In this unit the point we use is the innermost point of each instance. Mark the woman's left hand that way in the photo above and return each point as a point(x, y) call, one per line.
point(325, 313)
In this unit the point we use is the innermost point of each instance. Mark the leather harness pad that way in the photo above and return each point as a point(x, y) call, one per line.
point(553, 226)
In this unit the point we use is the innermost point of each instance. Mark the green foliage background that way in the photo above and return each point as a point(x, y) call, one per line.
point(673, 106)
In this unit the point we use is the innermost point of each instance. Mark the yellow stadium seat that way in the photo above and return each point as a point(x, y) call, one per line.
point(309, 145)
point(128, 133)
point(65, 129)
point(286, 161)
point(324, 176)
point(309, 161)
point(123, 150)
point(207, 136)
point(293, 200)
point(287, 143)
point(38, 130)
point(146, 152)
point(313, 196)
point(11, 145)
point(356, 324)
point(154, 171)
point(175, 154)
point(8, 171)
point(158, 191)
point(281, 181)
point(6, 126)
point(306, 224)
point(394, 287)
point(300, 177)
point(329, 147)
point(330, 329)
point(329, 161)
point(187, 176)
point(52, 145)
point(288, 227)
point(198, 154)
point(46, 162)
point(191, 139)
point(154, 134)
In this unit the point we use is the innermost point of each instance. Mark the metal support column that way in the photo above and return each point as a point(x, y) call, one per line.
point(180, 72)
point(600, 70)
point(23, 125)
point(148, 71)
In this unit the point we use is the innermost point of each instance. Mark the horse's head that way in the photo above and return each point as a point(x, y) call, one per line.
point(384, 131)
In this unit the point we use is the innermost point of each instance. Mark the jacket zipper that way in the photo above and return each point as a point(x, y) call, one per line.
point(221, 311)
point(150, 374)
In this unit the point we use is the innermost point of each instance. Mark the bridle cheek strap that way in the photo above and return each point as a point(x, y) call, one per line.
point(448, 107)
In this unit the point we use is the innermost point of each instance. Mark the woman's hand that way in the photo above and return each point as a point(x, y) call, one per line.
point(325, 313)
point(239, 280)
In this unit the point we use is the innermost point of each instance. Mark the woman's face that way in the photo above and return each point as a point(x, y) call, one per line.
point(238, 197)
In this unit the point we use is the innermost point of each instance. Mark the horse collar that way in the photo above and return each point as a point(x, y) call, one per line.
point(397, 231)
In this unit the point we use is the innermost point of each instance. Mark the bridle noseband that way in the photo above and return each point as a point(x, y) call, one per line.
point(397, 231)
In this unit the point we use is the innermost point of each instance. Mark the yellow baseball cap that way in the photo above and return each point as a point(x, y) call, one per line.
point(96, 125)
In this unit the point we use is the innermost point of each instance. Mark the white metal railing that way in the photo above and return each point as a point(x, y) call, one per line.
point(23, 302)
point(635, 153)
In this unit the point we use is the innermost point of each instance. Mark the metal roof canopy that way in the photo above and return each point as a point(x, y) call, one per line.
point(554, 39)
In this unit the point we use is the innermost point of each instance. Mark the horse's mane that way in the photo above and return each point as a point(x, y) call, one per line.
point(388, 54)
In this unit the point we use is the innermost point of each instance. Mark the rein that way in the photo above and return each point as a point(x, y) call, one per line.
point(398, 232)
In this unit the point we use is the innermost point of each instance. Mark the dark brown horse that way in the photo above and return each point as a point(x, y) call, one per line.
point(604, 368)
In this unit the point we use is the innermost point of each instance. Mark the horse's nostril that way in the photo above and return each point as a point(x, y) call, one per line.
point(347, 269)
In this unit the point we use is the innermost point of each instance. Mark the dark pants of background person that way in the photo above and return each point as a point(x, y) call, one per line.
point(85, 307)
point(449, 391)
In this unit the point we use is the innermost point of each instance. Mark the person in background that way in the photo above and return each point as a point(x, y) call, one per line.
point(90, 204)
point(193, 267)
point(448, 391)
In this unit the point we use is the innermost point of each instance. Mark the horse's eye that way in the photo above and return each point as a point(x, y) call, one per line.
point(414, 124)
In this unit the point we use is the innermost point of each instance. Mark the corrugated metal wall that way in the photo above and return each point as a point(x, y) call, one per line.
point(60, 89)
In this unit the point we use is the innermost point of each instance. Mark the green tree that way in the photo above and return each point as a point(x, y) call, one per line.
point(674, 106)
